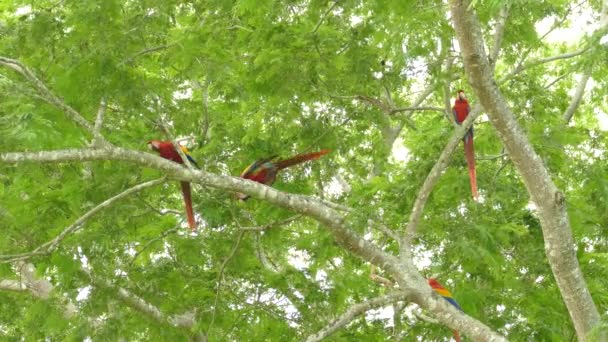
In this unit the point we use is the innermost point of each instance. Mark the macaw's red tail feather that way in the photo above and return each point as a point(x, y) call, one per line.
point(188, 204)
point(300, 158)
point(456, 336)
point(469, 152)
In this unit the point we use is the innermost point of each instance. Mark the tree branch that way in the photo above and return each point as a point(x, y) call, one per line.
point(220, 276)
point(97, 138)
point(537, 62)
point(403, 271)
point(580, 88)
point(413, 109)
point(46, 94)
point(353, 312)
point(51, 245)
point(499, 31)
point(433, 177)
point(324, 16)
point(185, 321)
point(550, 201)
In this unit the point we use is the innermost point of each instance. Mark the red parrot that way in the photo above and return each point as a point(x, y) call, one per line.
point(461, 110)
point(265, 170)
point(443, 292)
point(167, 151)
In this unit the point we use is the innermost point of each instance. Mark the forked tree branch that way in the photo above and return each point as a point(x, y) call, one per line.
point(51, 245)
point(46, 94)
point(355, 311)
point(433, 177)
point(185, 321)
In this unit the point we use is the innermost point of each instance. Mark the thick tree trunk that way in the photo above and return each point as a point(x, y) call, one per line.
point(550, 202)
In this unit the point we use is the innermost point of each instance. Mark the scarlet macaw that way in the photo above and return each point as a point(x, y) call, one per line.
point(265, 170)
point(461, 110)
point(443, 292)
point(167, 151)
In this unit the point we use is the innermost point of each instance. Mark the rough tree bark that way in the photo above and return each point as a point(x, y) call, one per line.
point(549, 200)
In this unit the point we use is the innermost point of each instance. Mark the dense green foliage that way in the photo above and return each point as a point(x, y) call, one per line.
point(240, 80)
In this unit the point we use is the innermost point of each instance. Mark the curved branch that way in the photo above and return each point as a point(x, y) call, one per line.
point(353, 312)
point(51, 245)
point(540, 61)
point(433, 177)
point(580, 88)
point(46, 94)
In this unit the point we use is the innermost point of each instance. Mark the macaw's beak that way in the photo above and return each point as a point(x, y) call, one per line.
point(241, 196)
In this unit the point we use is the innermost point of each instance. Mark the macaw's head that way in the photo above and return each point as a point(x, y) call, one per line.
point(433, 282)
point(154, 145)
point(461, 95)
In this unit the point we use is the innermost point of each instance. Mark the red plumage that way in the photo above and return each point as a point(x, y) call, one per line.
point(265, 170)
point(166, 150)
point(461, 110)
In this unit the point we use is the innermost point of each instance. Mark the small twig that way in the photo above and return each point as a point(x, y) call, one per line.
point(433, 177)
point(146, 51)
point(555, 81)
point(176, 144)
point(273, 224)
point(379, 279)
point(45, 93)
point(537, 62)
point(220, 276)
point(149, 243)
point(51, 245)
point(499, 31)
point(491, 157)
point(158, 211)
point(413, 109)
point(97, 138)
point(324, 16)
point(353, 312)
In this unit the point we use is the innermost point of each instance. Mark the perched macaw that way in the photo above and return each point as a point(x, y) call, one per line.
point(443, 292)
point(461, 110)
point(167, 151)
point(265, 170)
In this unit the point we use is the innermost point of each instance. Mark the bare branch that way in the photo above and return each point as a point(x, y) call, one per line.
point(186, 320)
point(499, 31)
point(176, 144)
point(12, 285)
point(353, 312)
point(324, 16)
point(580, 89)
point(42, 288)
point(51, 245)
point(46, 94)
point(97, 137)
point(537, 62)
point(149, 243)
point(550, 84)
point(491, 157)
point(145, 52)
point(220, 276)
point(273, 224)
point(379, 279)
point(413, 109)
point(433, 177)
point(205, 121)
point(549, 200)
